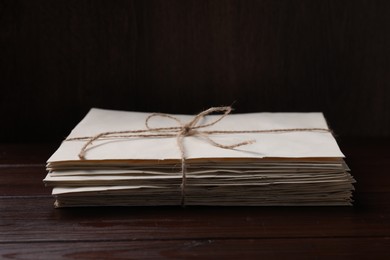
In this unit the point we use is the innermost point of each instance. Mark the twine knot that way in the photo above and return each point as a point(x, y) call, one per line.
point(187, 130)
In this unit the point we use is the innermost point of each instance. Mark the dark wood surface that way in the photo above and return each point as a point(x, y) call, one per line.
point(30, 228)
point(60, 58)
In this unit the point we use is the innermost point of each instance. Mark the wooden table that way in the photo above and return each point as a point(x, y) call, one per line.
point(30, 228)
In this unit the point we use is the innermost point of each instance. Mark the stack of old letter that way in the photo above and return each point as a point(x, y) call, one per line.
point(112, 158)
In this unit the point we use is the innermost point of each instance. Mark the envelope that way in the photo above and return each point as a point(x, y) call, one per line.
point(294, 144)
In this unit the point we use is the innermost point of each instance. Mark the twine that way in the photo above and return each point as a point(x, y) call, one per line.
point(192, 128)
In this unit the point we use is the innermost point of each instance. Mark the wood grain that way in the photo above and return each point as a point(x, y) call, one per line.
point(45, 224)
point(305, 248)
point(60, 58)
point(30, 228)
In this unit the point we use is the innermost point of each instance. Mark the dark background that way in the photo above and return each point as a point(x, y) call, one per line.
point(60, 58)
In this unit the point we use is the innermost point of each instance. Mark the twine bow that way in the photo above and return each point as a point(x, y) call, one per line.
point(191, 128)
